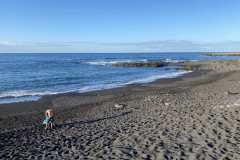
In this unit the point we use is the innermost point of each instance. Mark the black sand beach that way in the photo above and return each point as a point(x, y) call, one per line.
point(194, 116)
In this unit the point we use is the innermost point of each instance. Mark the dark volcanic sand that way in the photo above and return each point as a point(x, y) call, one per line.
point(176, 118)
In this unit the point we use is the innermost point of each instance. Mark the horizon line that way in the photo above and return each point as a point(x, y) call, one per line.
point(110, 52)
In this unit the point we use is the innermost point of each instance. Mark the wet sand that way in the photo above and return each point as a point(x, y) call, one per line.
point(194, 116)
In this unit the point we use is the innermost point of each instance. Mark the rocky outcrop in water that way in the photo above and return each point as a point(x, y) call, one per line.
point(143, 64)
point(220, 54)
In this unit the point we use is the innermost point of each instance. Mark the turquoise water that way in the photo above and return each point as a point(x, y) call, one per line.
point(31, 76)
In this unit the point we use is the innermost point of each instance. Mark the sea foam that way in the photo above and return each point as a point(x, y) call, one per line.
point(27, 93)
point(112, 62)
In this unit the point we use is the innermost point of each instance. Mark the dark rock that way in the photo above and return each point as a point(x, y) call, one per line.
point(143, 64)
point(188, 68)
point(220, 54)
point(166, 69)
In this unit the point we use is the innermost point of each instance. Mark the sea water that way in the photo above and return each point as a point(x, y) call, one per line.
point(25, 77)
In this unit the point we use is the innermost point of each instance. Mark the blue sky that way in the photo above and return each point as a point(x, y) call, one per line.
point(86, 26)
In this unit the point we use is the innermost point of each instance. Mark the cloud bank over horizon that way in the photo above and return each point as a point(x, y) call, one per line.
point(119, 47)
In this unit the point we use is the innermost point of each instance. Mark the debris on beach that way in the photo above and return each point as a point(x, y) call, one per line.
point(229, 95)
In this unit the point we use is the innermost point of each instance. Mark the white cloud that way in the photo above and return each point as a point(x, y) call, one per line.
point(144, 46)
point(7, 43)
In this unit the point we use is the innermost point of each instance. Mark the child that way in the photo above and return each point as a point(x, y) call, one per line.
point(49, 118)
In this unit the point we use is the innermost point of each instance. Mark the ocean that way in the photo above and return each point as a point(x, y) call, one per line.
point(28, 77)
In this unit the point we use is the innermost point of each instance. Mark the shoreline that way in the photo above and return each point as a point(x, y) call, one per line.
point(175, 118)
point(30, 98)
point(64, 101)
point(9, 110)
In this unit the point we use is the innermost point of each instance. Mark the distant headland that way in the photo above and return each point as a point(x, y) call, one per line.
point(220, 54)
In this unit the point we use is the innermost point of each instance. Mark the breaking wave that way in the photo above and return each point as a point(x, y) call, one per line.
point(27, 93)
point(111, 62)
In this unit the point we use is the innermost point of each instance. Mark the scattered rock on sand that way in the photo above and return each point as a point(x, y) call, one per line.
point(188, 68)
point(166, 104)
point(119, 106)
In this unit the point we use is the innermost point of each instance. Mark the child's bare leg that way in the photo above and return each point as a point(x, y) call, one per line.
point(46, 126)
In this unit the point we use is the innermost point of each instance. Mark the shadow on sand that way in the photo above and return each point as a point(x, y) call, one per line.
point(92, 121)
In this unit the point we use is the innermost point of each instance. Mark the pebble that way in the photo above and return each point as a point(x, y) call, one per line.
point(119, 106)
point(166, 104)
